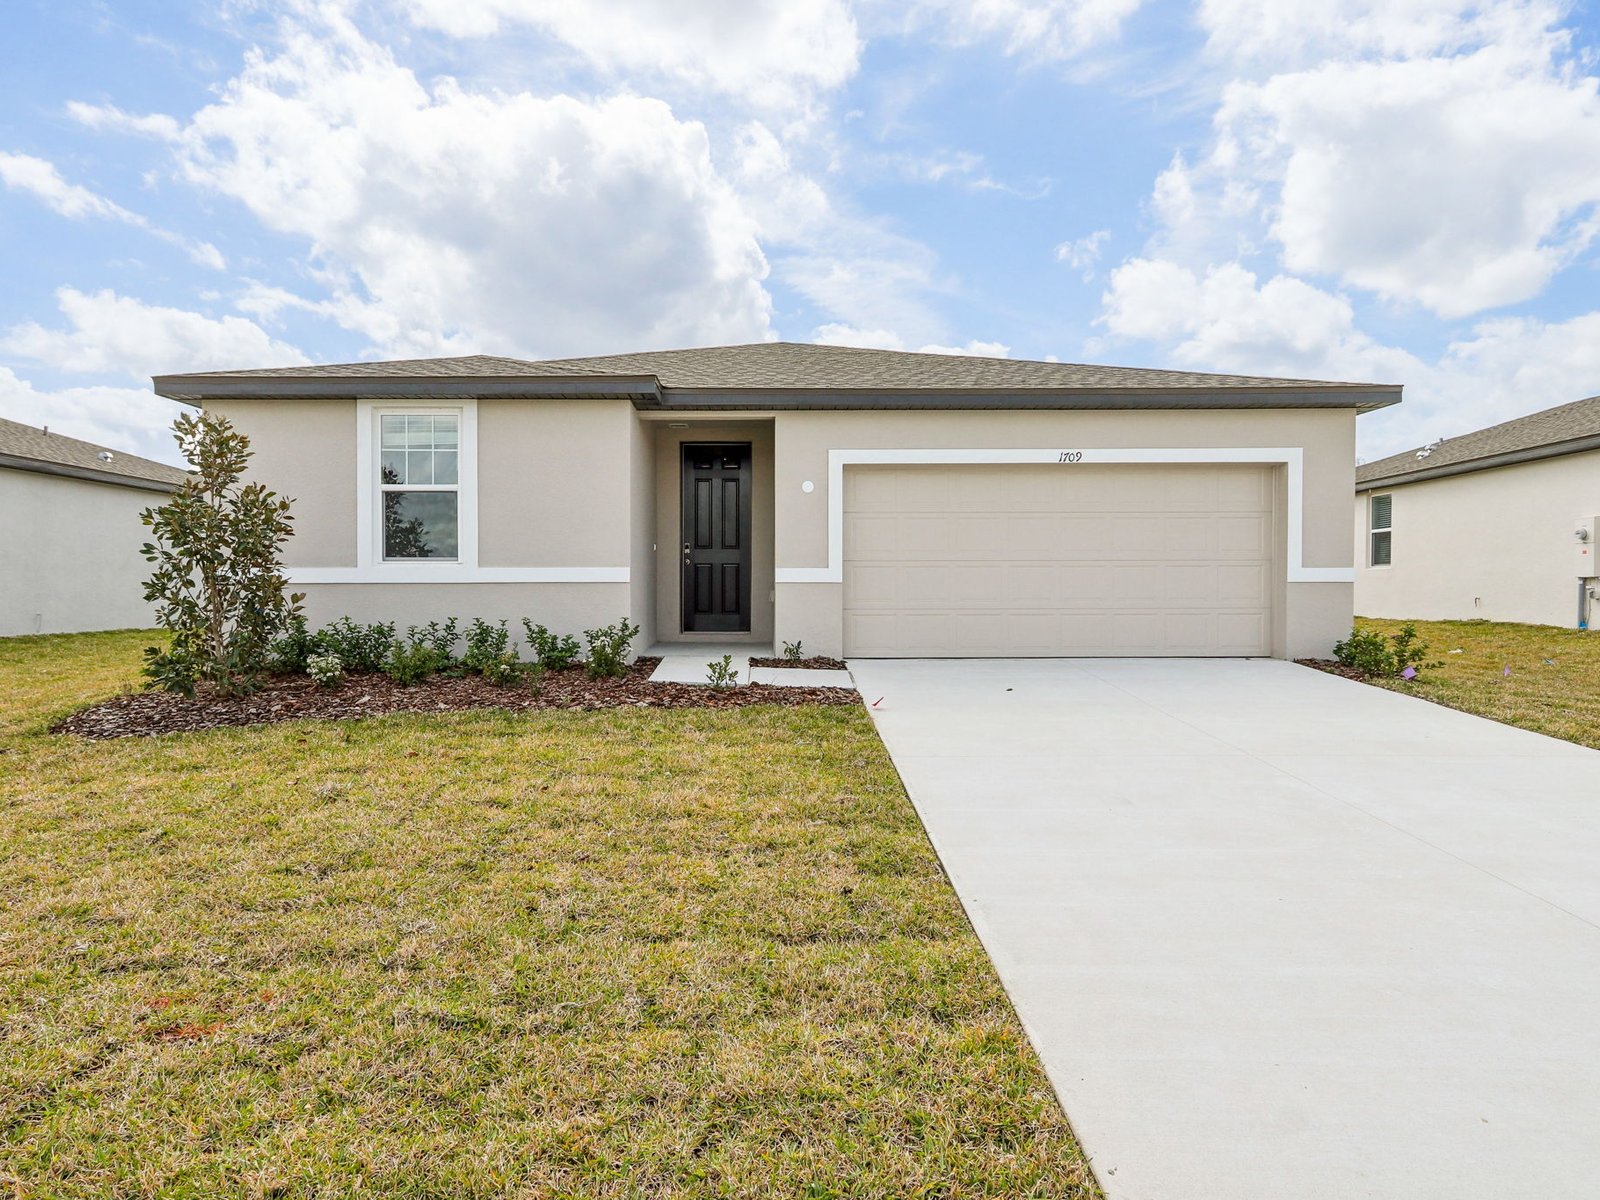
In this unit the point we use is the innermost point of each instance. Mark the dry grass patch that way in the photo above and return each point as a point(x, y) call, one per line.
point(1554, 681)
point(611, 954)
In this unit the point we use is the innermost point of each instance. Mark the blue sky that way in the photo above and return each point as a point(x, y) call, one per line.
point(1405, 191)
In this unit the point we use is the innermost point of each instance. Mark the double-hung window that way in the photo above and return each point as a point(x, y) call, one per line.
point(419, 485)
point(1380, 529)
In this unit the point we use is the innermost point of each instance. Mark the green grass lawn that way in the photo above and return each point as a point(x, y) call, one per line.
point(630, 953)
point(1553, 688)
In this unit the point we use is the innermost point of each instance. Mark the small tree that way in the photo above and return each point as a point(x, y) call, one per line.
point(218, 584)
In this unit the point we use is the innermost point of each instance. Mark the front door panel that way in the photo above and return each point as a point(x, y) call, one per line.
point(716, 537)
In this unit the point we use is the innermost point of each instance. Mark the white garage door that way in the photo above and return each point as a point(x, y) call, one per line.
point(961, 561)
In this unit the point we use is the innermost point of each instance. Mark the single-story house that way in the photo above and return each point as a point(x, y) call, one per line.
point(1498, 525)
point(861, 502)
point(71, 533)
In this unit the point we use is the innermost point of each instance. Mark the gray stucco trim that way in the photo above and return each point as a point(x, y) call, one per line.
point(648, 395)
point(1509, 459)
point(69, 472)
point(1363, 399)
point(195, 390)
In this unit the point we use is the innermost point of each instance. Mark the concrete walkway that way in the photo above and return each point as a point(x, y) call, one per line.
point(1276, 935)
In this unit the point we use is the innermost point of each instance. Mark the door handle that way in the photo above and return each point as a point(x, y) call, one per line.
point(686, 552)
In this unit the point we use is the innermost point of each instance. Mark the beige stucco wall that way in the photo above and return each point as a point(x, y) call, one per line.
point(669, 527)
point(642, 530)
point(563, 607)
point(305, 450)
point(1495, 545)
point(71, 549)
point(1313, 615)
point(554, 483)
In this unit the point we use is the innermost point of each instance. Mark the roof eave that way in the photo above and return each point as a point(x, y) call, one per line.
point(41, 466)
point(1362, 398)
point(197, 389)
point(1509, 458)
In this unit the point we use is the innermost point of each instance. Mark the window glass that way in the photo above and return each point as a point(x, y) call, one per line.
point(420, 525)
point(419, 451)
point(1382, 521)
point(1381, 548)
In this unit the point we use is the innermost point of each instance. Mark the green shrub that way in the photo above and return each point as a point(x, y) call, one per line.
point(439, 636)
point(293, 649)
point(218, 585)
point(361, 648)
point(1375, 656)
point(552, 653)
point(488, 646)
point(793, 651)
point(503, 669)
point(413, 661)
point(608, 649)
point(722, 674)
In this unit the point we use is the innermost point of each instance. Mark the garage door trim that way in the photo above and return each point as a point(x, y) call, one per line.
point(1290, 457)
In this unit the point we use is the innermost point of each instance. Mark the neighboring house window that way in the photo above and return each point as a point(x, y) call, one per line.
point(1381, 510)
point(419, 485)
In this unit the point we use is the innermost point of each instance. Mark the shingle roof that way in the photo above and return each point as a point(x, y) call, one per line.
point(28, 448)
point(789, 367)
point(1568, 429)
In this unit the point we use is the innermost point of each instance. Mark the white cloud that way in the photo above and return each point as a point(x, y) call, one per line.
point(111, 119)
point(1461, 184)
point(1283, 35)
point(444, 219)
point(1036, 30)
point(856, 270)
point(838, 334)
point(1081, 254)
point(1442, 153)
point(40, 178)
point(1226, 320)
point(108, 334)
point(766, 51)
point(129, 419)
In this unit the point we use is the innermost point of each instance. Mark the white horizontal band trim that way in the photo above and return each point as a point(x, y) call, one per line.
point(456, 573)
point(802, 575)
point(1067, 457)
point(1322, 575)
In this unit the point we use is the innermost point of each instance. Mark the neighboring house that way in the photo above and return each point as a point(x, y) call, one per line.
point(862, 502)
point(71, 532)
point(1485, 525)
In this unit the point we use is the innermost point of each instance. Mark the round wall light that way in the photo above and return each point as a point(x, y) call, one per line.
point(808, 486)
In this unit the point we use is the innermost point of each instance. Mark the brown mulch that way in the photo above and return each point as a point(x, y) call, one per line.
point(817, 662)
point(1332, 668)
point(290, 698)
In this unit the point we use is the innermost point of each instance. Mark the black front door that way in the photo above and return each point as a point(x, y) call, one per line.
point(716, 537)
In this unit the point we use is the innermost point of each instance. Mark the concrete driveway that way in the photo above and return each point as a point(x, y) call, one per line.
point(1276, 935)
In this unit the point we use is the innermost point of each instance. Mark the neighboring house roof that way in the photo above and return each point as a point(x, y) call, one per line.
point(26, 448)
point(787, 375)
point(1569, 429)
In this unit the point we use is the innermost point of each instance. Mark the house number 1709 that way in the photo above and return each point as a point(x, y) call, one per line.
point(1071, 456)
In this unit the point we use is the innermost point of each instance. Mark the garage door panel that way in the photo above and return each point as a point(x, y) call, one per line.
point(1240, 632)
point(1036, 560)
point(1242, 535)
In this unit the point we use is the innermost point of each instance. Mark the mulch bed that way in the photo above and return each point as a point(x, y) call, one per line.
point(290, 698)
point(1332, 668)
point(817, 662)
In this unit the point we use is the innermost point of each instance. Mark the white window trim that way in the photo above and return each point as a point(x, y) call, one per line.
point(369, 511)
point(1292, 458)
point(1373, 529)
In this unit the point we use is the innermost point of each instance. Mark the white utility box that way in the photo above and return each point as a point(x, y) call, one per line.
point(1583, 541)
